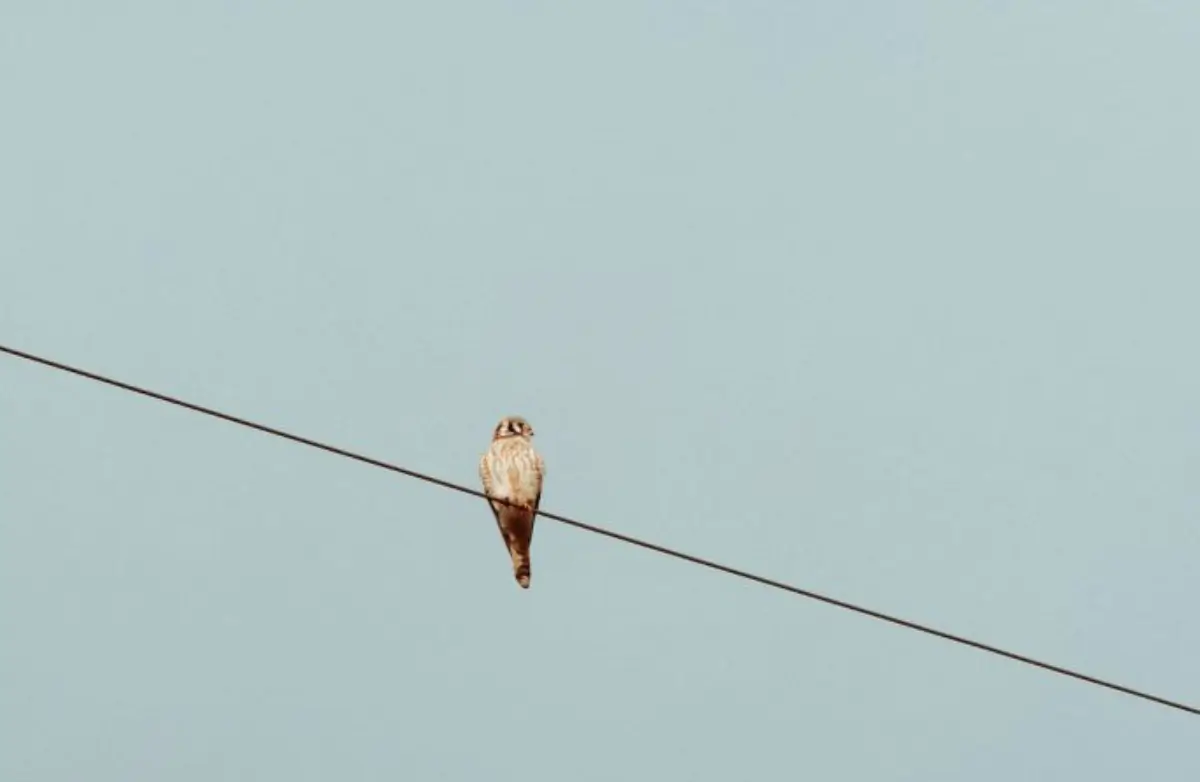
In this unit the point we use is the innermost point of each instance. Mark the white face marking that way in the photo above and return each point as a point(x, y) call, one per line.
point(513, 427)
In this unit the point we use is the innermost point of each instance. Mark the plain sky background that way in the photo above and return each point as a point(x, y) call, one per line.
point(896, 301)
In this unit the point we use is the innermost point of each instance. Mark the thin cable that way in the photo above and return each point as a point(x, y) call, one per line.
point(610, 534)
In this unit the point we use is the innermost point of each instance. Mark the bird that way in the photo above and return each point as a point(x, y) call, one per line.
point(512, 470)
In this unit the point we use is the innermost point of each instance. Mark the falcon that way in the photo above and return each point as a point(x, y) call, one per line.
point(512, 473)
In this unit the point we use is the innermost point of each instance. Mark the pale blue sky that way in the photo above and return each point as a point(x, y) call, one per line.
point(894, 301)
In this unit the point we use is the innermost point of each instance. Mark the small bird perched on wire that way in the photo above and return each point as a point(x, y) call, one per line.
point(512, 470)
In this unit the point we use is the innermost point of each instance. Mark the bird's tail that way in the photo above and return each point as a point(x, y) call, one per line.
point(520, 562)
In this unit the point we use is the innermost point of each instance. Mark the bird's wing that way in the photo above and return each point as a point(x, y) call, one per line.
point(540, 467)
point(489, 487)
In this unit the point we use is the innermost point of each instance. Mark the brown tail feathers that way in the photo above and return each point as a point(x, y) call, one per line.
point(517, 528)
point(521, 569)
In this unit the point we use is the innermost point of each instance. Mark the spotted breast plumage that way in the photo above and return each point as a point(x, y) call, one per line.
point(512, 470)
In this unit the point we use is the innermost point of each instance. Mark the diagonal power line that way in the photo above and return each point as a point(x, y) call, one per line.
point(610, 534)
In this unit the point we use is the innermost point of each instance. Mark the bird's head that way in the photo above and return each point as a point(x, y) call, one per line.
point(512, 426)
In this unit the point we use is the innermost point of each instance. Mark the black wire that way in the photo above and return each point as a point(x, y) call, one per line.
point(610, 534)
